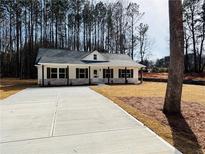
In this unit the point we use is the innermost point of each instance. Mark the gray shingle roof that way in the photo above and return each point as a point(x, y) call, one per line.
point(62, 56)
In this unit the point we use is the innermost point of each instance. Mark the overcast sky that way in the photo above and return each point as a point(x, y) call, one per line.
point(156, 16)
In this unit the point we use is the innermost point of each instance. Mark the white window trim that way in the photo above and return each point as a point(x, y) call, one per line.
point(62, 73)
point(53, 73)
point(129, 75)
point(84, 73)
point(110, 73)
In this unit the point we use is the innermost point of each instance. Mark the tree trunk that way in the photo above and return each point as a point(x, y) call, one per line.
point(52, 31)
point(186, 60)
point(65, 35)
point(90, 36)
point(201, 49)
point(132, 52)
point(108, 39)
point(17, 42)
point(10, 31)
point(84, 36)
point(95, 34)
point(41, 31)
point(194, 40)
point(56, 33)
point(98, 35)
point(172, 103)
point(78, 36)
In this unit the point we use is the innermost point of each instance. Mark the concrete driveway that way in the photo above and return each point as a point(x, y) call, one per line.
point(70, 120)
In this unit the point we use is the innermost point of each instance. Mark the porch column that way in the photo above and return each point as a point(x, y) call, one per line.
point(67, 75)
point(108, 79)
point(125, 74)
point(42, 75)
point(89, 75)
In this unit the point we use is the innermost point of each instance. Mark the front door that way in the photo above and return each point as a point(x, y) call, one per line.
point(95, 73)
point(96, 77)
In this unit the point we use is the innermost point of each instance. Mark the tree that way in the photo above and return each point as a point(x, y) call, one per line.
point(109, 28)
point(134, 14)
point(26, 25)
point(187, 44)
point(193, 11)
point(87, 26)
point(202, 38)
point(100, 12)
point(144, 42)
point(78, 17)
point(172, 104)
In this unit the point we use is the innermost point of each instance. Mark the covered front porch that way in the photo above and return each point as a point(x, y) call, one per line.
point(85, 74)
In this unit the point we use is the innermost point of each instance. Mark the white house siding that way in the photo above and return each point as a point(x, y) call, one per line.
point(79, 81)
point(74, 81)
point(39, 70)
point(50, 81)
point(135, 73)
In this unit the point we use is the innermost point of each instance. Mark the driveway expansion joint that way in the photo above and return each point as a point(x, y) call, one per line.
point(54, 116)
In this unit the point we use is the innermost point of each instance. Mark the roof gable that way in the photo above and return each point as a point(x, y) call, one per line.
point(95, 56)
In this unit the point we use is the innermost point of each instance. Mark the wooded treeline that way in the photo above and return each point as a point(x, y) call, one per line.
point(194, 38)
point(194, 35)
point(26, 25)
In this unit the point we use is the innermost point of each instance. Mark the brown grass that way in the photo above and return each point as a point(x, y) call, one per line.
point(191, 93)
point(10, 86)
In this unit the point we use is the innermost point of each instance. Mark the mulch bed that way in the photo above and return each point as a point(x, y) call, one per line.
point(187, 76)
point(191, 125)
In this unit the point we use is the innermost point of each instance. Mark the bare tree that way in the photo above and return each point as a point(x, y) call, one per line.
point(26, 25)
point(144, 42)
point(193, 11)
point(134, 14)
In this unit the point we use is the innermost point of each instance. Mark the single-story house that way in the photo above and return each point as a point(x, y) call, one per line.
point(64, 67)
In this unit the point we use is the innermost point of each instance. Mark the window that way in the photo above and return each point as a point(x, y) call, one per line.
point(53, 73)
point(107, 73)
point(129, 73)
point(62, 73)
point(95, 57)
point(81, 73)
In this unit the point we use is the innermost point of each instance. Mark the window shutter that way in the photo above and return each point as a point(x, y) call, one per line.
point(48, 73)
point(77, 72)
point(111, 73)
point(66, 72)
point(131, 73)
point(119, 73)
point(86, 71)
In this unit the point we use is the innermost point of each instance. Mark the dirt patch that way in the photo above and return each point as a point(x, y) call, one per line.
point(189, 127)
point(156, 75)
